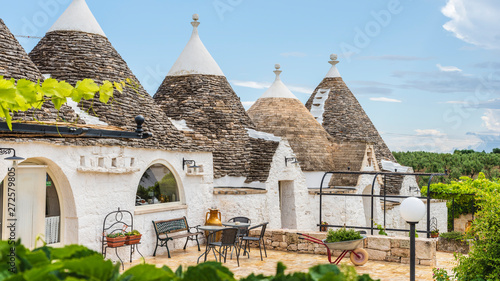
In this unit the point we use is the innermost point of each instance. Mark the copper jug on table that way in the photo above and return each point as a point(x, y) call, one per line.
point(213, 219)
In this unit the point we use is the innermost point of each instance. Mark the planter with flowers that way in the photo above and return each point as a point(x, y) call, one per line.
point(132, 237)
point(114, 240)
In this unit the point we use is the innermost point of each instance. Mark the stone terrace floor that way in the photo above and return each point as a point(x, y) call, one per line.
point(385, 271)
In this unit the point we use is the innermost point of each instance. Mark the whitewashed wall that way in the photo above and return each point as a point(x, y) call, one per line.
point(88, 193)
point(265, 207)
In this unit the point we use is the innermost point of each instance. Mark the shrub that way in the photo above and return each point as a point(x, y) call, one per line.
point(483, 262)
point(454, 235)
point(342, 235)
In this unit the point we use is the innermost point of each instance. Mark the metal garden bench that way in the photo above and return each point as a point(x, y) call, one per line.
point(173, 229)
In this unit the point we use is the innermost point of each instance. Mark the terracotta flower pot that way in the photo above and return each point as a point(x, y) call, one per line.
point(115, 242)
point(434, 235)
point(133, 239)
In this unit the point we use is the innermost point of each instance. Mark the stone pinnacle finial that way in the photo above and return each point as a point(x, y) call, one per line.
point(277, 71)
point(334, 60)
point(195, 23)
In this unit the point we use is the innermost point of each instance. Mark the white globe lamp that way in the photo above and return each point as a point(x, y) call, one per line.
point(412, 209)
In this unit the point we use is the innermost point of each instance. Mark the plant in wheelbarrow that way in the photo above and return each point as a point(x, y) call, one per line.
point(347, 240)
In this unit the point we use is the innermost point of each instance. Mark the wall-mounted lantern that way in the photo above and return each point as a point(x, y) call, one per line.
point(291, 160)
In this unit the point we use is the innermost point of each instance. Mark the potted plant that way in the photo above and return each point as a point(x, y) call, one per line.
point(323, 226)
point(341, 235)
point(435, 233)
point(114, 240)
point(132, 237)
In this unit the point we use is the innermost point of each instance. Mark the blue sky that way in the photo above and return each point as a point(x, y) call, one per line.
point(426, 72)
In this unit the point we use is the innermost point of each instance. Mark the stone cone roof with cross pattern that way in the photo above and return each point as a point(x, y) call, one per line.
point(280, 113)
point(196, 92)
point(337, 109)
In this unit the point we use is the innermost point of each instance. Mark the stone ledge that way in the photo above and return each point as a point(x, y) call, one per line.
point(156, 208)
point(238, 191)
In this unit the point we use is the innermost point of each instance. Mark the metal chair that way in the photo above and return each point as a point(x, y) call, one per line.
point(260, 239)
point(240, 219)
point(228, 240)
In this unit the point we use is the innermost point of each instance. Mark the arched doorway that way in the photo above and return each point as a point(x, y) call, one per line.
point(39, 204)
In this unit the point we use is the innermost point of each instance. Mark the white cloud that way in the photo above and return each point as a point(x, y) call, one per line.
point(475, 22)
point(247, 104)
point(251, 84)
point(456, 102)
point(299, 89)
point(491, 120)
point(429, 132)
point(294, 54)
point(265, 85)
point(432, 143)
point(395, 58)
point(384, 99)
point(448, 68)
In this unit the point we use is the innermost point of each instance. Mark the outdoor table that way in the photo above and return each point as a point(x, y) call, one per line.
point(211, 229)
point(237, 225)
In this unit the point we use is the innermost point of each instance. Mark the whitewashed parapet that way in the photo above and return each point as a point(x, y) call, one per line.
point(108, 164)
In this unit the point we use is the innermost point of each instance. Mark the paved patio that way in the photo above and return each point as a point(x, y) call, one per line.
point(385, 271)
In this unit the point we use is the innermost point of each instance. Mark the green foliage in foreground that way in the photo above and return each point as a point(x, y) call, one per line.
point(75, 262)
point(483, 261)
point(342, 234)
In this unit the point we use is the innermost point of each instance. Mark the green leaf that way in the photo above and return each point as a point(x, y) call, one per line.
point(118, 87)
point(105, 92)
point(146, 272)
point(93, 267)
point(7, 91)
point(58, 102)
point(209, 271)
point(27, 90)
point(64, 89)
point(71, 252)
point(317, 272)
point(4, 113)
point(49, 87)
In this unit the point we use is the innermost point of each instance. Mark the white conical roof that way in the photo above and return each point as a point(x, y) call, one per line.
point(195, 58)
point(278, 89)
point(333, 71)
point(78, 17)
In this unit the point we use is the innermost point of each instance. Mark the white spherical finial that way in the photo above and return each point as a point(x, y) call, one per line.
point(333, 56)
point(196, 17)
point(277, 66)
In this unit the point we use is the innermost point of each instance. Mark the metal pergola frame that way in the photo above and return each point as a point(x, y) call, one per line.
point(385, 196)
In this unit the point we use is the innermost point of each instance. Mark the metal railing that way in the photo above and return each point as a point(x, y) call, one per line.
point(372, 195)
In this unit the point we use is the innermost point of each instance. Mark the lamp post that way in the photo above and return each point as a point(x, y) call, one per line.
point(412, 210)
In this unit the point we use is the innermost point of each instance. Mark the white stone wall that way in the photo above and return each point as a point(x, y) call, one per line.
point(87, 193)
point(347, 210)
point(438, 210)
point(265, 207)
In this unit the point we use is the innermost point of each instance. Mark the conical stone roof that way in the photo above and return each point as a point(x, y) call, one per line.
point(338, 110)
point(280, 113)
point(73, 52)
point(196, 92)
point(15, 63)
